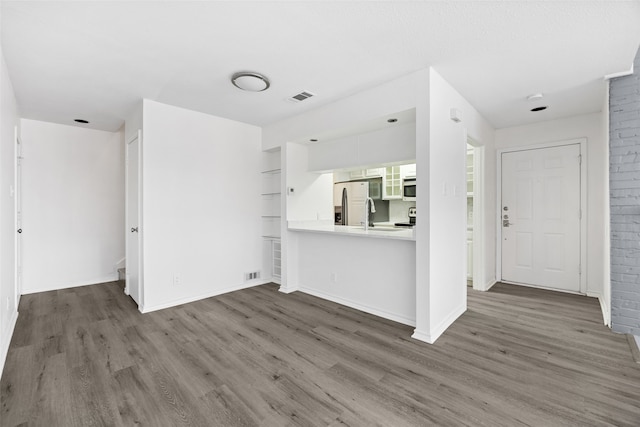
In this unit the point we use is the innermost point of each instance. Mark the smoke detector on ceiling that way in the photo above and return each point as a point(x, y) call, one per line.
point(305, 94)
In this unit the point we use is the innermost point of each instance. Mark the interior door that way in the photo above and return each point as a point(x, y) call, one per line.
point(540, 217)
point(132, 286)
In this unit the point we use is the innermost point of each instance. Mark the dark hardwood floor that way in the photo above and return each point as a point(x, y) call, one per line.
point(518, 356)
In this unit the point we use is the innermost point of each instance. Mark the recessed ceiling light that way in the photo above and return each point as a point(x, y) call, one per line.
point(392, 120)
point(313, 140)
point(250, 81)
point(544, 107)
point(81, 121)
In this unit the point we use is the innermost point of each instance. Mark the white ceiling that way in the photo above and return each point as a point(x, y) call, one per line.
point(96, 60)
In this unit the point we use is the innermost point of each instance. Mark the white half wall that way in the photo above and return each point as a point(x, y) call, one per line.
point(201, 205)
point(73, 205)
point(8, 293)
point(372, 275)
point(591, 127)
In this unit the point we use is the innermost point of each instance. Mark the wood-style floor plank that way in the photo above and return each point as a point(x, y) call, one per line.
point(257, 357)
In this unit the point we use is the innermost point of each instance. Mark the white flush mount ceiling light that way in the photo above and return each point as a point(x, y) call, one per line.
point(250, 81)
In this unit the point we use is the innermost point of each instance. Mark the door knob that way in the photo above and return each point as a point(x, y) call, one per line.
point(506, 223)
point(19, 230)
point(134, 229)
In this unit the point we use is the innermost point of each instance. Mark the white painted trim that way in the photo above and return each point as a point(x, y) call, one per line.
point(6, 341)
point(582, 142)
point(17, 251)
point(526, 285)
point(111, 277)
point(422, 336)
point(606, 315)
point(619, 74)
point(488, 285)
point(127, 291)
point(362, 307)
point(121, 263)
point(479, 198)
point(174, 303)
point(432, 336)
point(275, 280)
point(140, 218)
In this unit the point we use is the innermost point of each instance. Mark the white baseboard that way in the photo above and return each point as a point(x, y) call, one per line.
point(488, 285)
point(422, 336)
point(606, 314)
point(288, 289)
point(362, 307)
point(174, 303)
point(111, 277)
point(430, 337)
point(7, 334)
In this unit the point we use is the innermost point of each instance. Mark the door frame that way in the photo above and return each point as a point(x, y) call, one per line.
point(479, 231)
point(582, 142)
point(138, 136)
point(17, 219)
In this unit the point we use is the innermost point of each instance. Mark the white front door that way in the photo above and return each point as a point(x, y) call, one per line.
point(132, 286)
point(540, 217)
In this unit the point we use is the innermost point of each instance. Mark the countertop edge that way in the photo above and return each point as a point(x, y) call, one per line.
point(376, 234)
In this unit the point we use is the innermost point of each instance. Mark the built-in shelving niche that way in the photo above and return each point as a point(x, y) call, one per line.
point(271, 213)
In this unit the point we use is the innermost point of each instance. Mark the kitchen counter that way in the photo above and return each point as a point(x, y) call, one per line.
point(379, 232)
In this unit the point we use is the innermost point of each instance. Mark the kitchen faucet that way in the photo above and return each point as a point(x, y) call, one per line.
point(369, 207)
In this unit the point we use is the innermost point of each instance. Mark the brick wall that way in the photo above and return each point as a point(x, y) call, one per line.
point(624, 181)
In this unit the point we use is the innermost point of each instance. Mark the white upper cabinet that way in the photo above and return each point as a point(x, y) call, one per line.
point(392, 183)
point(408, 171)
point(394, 144)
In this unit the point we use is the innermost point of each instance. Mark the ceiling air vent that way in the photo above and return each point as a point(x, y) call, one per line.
point(301, 96)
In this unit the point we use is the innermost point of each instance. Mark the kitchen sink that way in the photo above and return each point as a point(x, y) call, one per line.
point(382, 228)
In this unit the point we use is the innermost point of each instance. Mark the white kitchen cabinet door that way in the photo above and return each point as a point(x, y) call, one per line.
point(408, 171)
point(392, 183)
point(359, 174)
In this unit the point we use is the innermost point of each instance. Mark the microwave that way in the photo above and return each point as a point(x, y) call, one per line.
point(409, 189)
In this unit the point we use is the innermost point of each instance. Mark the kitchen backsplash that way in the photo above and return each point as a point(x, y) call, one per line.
point(399, 211)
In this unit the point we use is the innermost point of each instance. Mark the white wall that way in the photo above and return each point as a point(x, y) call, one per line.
point(590, 126)
point(8, 295)
point(441, 200)
point(440, 271)
point(201, 205)
point(133, 123)
point(373, 275)
point(391, 97)
point(73, 205)
point(312, 198)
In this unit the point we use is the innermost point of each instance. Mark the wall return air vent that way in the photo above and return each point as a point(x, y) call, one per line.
point(301, 96)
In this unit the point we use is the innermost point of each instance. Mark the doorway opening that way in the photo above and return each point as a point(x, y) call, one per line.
point(475, 227)
point(470, 150)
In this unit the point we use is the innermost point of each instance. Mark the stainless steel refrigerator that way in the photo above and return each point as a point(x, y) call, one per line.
point(349, 202)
